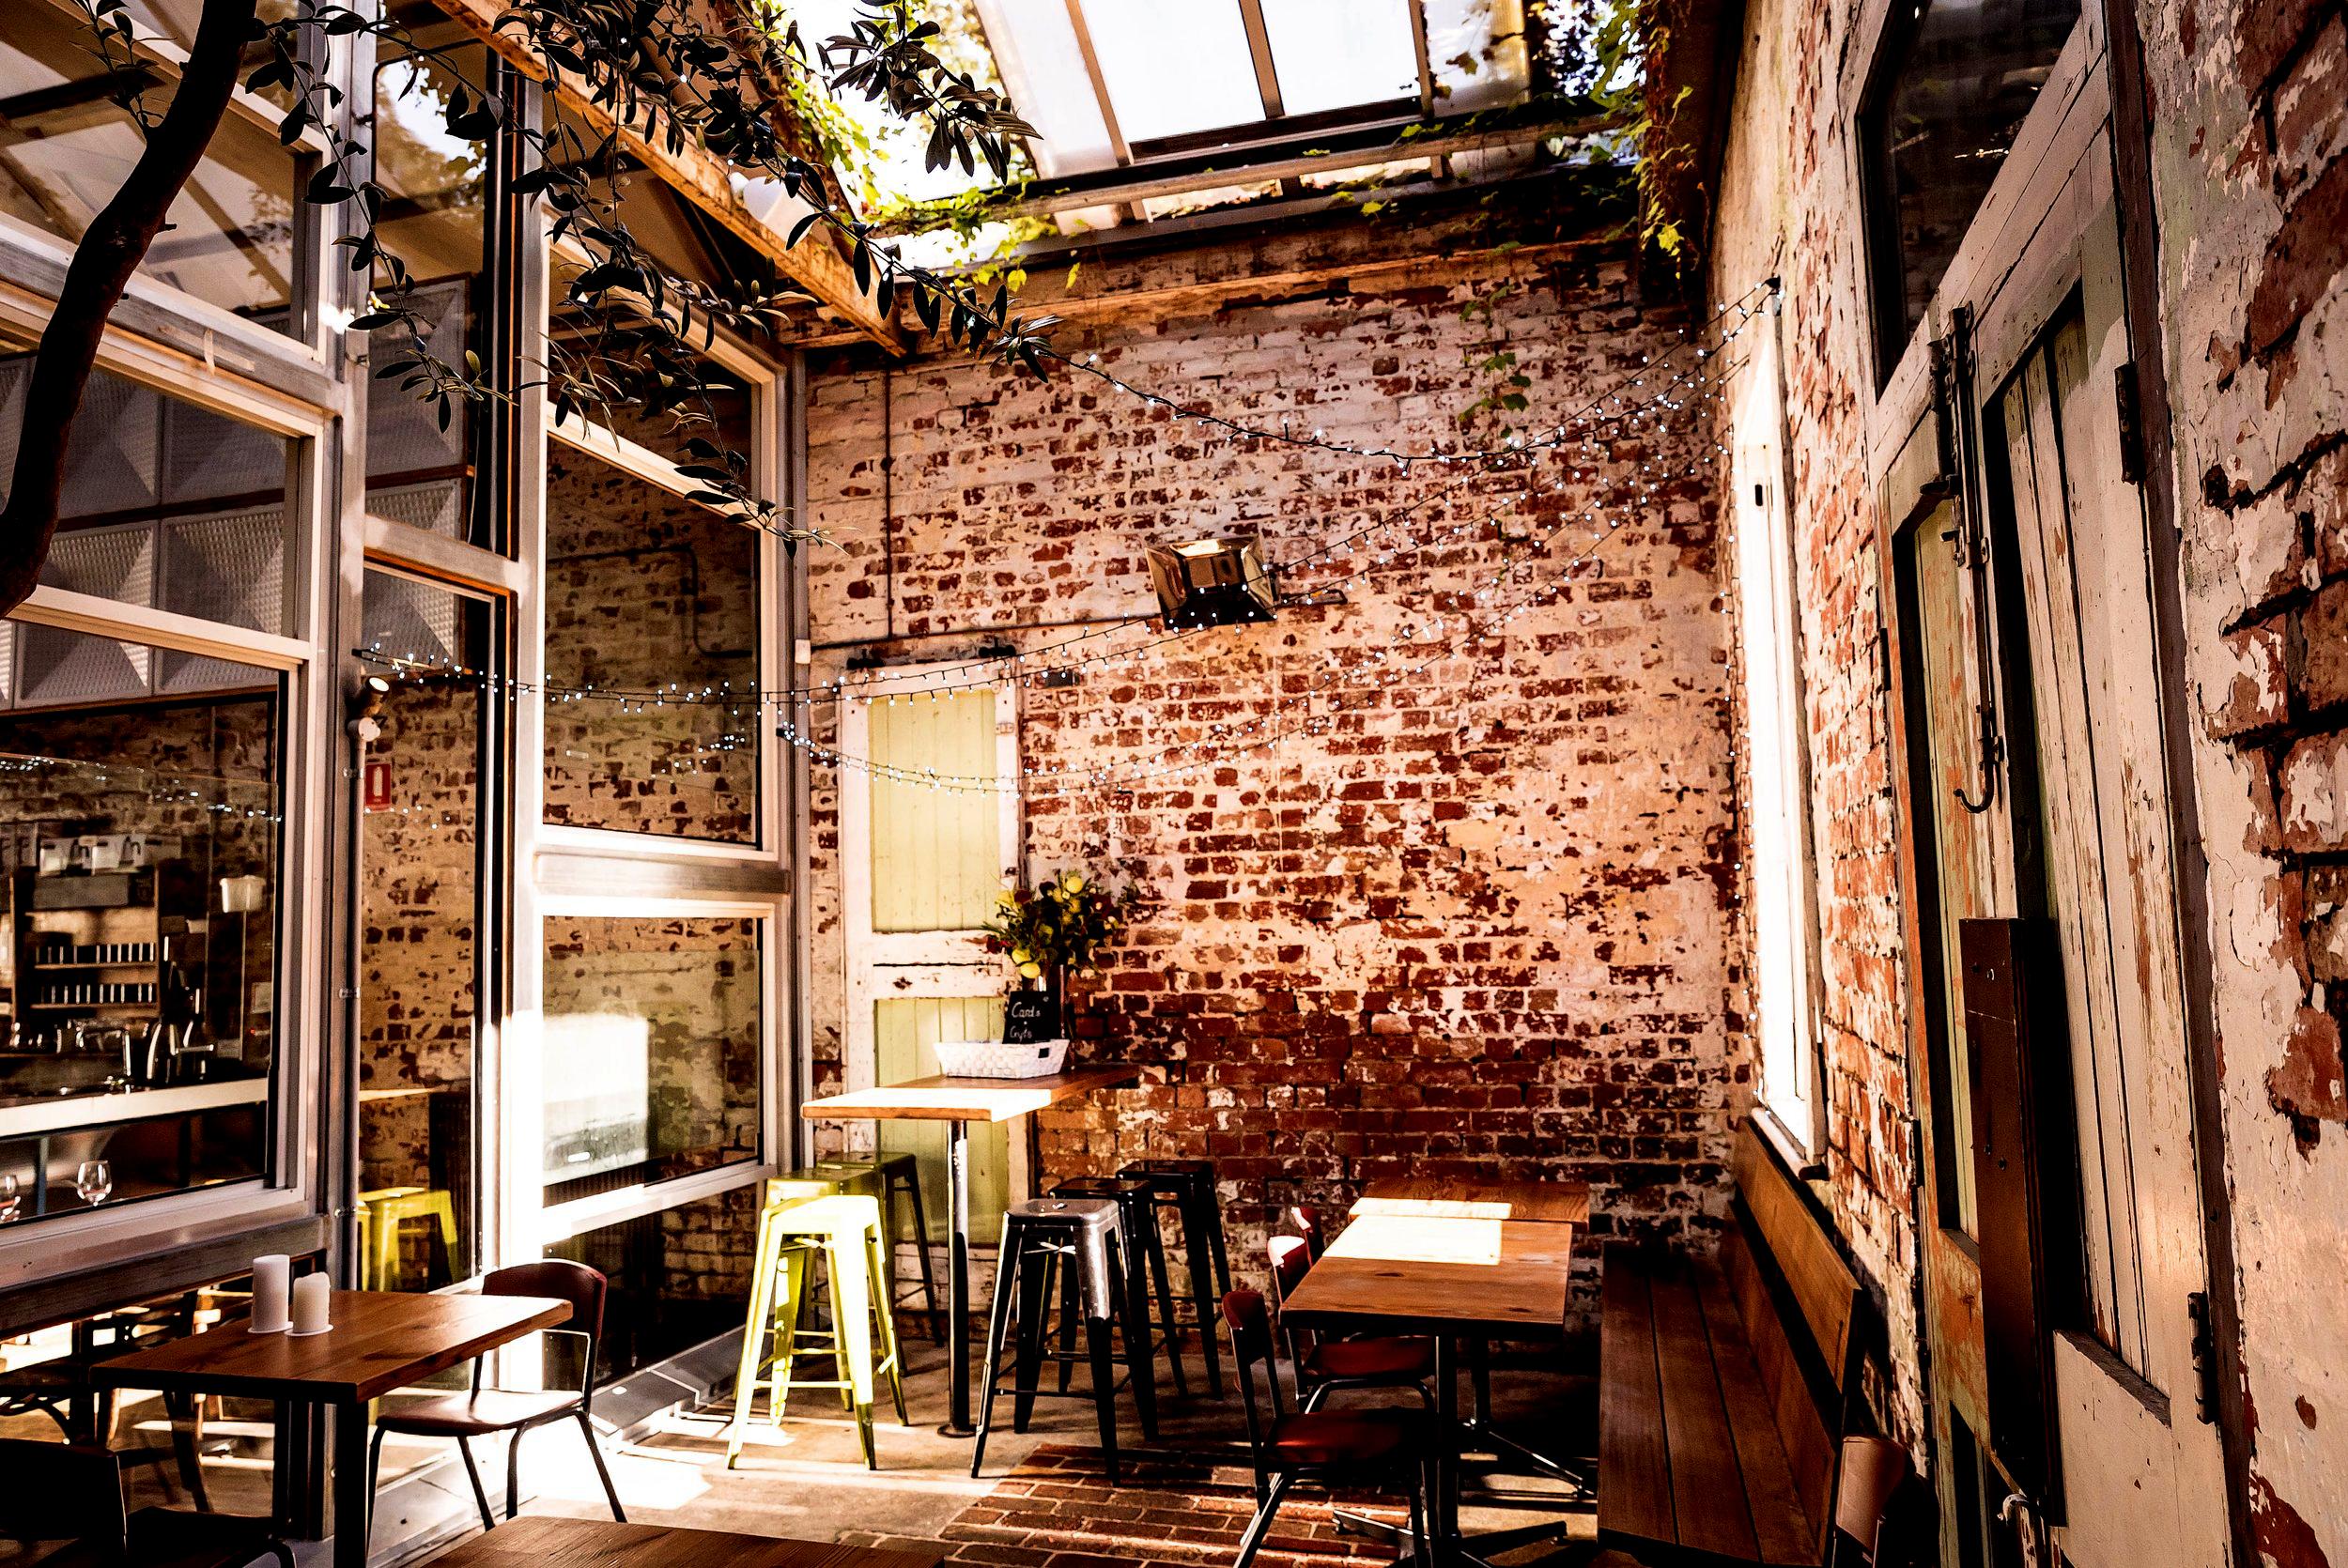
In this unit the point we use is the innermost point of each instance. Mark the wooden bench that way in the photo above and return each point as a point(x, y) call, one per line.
point(1723, 1389)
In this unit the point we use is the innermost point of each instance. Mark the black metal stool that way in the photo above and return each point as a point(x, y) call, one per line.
point(889, 1178)
point(1187, 1187)
point(1145, 1270)
point(1039, 1236)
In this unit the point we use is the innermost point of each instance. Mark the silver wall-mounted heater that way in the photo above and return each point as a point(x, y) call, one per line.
point(1212, 583)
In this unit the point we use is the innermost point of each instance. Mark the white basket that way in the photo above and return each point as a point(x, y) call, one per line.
point(998, 1059)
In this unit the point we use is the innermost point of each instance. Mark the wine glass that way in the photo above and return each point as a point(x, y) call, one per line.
point(95, 1180)
point(10, 1200)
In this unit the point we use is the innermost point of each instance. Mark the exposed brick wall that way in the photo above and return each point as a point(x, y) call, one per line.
point(645, 590)
point(2251, 124)
point(1787, 208)
point(418, 1005)
point(1478, 926)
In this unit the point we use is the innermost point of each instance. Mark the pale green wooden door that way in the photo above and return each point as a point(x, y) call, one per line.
point(906, 1030)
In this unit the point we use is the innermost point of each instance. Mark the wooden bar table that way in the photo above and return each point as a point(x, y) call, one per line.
point(380, 1340)
point(544, 1542)
point(1555, 1203)
point(959, 1102)
point(1453, 1278)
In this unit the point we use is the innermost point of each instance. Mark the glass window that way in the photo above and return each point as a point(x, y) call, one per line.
point(651, 1049)
point(71, 142)
point(1340, 53)
point(419, 471)
point(166, 505)
point(649, 596)
point(1174, 71)
point(1955, 82)
point(679, 1277)
point(419, 909)
point(140, 845)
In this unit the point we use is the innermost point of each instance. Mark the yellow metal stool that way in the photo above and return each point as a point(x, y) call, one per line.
point(844, 1230)
point(381, 1213)
point(889, 1176)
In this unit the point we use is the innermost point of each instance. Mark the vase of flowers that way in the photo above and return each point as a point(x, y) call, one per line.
point(1057, 928)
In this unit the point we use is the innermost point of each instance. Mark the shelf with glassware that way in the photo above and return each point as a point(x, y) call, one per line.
point(125, 981)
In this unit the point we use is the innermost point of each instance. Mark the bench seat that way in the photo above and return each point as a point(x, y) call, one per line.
point(1691, 1463)
point(1724, 1388)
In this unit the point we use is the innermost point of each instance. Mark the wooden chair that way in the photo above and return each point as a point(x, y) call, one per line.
point(484, 1412)
point(1349, 1449)
point(1325, 1365)
point(73, 1492)
point(1311, 1228)
point(63, 1389)
point(1726, 1392)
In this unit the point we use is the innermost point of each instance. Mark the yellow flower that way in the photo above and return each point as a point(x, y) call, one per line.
point(1073, 882)
point(1008, 897)
point(1020, 955)
point(1031, 971)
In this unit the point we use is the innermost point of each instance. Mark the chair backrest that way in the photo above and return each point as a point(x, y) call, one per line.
point(1874, 1470)
point(1291, 1260)
point(1312, 1227)
point(1250, 1324)
point(1800, 1303)
point(583, 1287)
point(62, 1492)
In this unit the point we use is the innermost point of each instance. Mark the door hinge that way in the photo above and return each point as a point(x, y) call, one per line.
point(2128, 402)
point(2205, 1357)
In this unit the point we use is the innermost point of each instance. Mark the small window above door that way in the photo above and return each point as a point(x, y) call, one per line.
point(1954, 81)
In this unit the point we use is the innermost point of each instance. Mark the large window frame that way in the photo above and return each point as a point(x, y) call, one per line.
point(1781, 859)
point(560, 870)
point(299, 1173)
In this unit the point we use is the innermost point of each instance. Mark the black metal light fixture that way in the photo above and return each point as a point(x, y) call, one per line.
point(1212, 583)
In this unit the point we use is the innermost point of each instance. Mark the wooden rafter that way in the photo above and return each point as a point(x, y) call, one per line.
point(702, 178)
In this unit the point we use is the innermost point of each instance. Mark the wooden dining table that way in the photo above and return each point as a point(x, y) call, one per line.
point(380, 1340)
point(1557, 1202)
point(1457, 1278)
point(546, 1543)
point(962, 1102)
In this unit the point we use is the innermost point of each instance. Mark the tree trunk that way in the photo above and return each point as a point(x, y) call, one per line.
point(109, 253)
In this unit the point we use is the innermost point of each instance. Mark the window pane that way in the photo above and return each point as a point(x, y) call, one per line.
point(651, 1049)
point(937, 854)
point(1337, 54)
point(420, 892)
point(678, 1278)
point(1174, 69)
point(141, 852)
point(231, 240)
point(601, 351)
point(433, 220)
point(648, 593)
point(165, 504)
point(1956, 87)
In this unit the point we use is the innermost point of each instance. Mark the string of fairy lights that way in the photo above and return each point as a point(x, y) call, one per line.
point(1058, 658)
point(1313, 705)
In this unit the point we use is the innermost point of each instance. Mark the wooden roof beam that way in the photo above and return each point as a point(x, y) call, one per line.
point(704, 180)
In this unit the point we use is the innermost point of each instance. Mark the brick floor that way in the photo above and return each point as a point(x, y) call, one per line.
point(1170, 1511)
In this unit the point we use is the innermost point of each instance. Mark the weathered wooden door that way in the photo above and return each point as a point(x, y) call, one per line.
point(2039, 797)
point(2140, 1472)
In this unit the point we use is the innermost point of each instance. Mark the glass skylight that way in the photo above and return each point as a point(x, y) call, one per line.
point(1042, 68)
point(1340, 53)
point(1173, 69)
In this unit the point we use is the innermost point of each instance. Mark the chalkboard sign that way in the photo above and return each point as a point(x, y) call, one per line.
point(1030, 1017)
